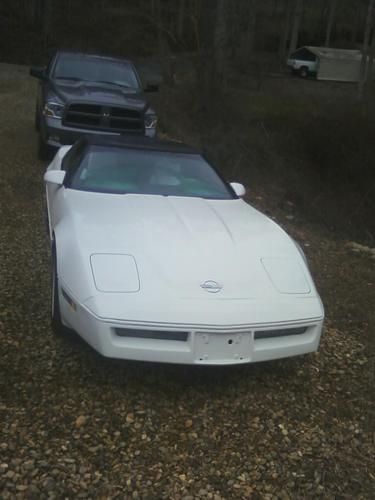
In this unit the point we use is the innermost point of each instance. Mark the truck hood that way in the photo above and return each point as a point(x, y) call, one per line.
point(103, 93)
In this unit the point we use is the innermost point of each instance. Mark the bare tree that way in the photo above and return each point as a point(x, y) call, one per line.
point(364, 73)
point(286, 29)
point(153, 7)
point(298, 12)
point(220, 41)
point(251, 26)
point(47, 9)
point(195, 15)
point(163, 47)
point(370, 67)
point(181, 19)
point(244, 31)
point(371, 58)
point(331, 18)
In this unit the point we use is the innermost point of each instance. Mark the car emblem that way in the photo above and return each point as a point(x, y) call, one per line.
point(105, 114)
point(211, 286)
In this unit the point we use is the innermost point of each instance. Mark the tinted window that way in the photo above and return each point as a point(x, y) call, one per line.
point(95, 69)
point(73, 158)
point(303, 55)
point(118, 170)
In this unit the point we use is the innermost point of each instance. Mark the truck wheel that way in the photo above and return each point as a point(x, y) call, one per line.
point(37, 121)
point(303, 72)
point(43, 149)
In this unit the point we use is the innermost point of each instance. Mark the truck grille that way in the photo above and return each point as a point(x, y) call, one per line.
point(109, 118)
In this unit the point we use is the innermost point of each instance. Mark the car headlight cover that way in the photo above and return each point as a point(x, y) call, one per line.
point(115, 272)
point(151, 121)
point(53, 109)
point(286, 275)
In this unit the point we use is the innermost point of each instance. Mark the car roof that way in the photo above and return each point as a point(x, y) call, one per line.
point(92, 55)
point(139, 142)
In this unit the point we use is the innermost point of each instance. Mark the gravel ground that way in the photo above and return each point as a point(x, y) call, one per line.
point(76, 425)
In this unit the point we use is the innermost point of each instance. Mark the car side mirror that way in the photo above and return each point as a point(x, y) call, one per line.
point(55, 177)
point(38, 72)
point(151, 87)
point(238, 188)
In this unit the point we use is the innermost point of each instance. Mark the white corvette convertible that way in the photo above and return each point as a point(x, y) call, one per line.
point(156, 258)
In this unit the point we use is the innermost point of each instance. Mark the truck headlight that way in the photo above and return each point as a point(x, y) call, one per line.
point(151, 121)
point(53, 109)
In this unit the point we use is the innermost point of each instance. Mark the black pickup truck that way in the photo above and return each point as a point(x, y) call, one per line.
point(83, 93)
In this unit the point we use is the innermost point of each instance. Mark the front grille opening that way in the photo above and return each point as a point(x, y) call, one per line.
point(80, 119)
point(125, 113)
point(281, 332)
point(125, 124)
point(109, 118)
point(85, 108)
point(151, 334)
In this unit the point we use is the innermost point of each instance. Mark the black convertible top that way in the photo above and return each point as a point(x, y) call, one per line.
point(138, 142)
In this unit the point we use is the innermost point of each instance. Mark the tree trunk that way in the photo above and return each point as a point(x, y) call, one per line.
point(356, 23)
point(247, 37)
point(250, 38)
point(298, 12)
point(34, 12)
point(181, 19)
point(46, 22)
point(286, 29)
point(370, 66)
point(275, 9)
point(331, 18)
point(153, 8)
point(163, 47)
point(219, 41)
point(365, 49)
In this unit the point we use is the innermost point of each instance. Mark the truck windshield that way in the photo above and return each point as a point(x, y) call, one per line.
point(124, 171)
point(95, 69)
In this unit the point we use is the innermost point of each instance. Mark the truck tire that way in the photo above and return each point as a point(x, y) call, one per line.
point(43, 149)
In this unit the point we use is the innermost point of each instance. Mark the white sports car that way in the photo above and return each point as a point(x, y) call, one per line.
point(156, 258)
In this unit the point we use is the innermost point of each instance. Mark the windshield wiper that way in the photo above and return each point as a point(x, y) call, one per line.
point(73, 78)
point(114, 83)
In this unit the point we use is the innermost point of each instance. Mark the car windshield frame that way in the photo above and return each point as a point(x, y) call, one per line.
point(100, 66)
point(148, 172)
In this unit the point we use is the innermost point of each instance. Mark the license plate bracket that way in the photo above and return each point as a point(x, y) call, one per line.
point(222, 347)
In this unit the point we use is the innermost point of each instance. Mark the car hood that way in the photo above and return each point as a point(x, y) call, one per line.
point(179, 244)
point(106, 94)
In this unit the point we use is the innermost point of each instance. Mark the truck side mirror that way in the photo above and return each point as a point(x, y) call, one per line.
point(151, 87)
point(38, 72)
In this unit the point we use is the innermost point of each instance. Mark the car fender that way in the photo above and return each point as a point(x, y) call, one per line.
point(73, 265)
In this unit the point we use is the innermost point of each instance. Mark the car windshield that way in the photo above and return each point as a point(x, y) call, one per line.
point(95, 69)
point(124, 171)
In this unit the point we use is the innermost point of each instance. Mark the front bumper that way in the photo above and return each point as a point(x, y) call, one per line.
point(194, 345)
point(55, 134)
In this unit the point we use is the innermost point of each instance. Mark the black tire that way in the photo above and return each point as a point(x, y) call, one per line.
point(37, 121)
point(44, 152)
point(56, 323)
point(304, 72)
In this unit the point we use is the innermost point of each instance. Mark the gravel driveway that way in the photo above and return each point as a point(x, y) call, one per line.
point(76, 425)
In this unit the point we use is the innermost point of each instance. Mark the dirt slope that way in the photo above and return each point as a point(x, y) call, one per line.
point(75, 425)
